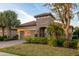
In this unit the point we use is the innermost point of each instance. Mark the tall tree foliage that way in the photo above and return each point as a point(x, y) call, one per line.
point(64, 13)
point(3, 22)
point(11, 18)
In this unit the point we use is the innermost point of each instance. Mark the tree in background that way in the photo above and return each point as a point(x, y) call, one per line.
point(64, 13)
point(76, 33)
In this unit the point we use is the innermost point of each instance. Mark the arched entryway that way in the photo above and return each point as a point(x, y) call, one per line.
point(42, 31)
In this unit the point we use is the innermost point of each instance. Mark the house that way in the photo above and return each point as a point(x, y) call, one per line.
point(6, 31)
point(36, 28)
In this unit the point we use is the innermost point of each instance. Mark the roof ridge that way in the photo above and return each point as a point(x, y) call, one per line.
point(31, 23)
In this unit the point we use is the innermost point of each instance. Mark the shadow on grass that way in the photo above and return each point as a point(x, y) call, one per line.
point(42, 43)
point(35, 43)
point(77, 55)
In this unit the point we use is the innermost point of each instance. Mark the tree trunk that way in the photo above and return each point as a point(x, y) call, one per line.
point(9, 31)
point(2, 31)
point(66, 34)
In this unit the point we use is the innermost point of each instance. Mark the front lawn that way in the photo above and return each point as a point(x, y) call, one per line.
point(39, 50)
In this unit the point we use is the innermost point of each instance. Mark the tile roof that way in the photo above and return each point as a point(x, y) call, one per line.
point(31, 23)
point(44, 14)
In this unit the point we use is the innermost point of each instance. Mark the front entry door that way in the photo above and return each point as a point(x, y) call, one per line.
point(21, 35)
point(42, 32)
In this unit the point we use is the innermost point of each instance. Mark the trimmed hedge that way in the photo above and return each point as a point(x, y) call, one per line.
point(36, 39)
point(44, 40)
point(7, 38)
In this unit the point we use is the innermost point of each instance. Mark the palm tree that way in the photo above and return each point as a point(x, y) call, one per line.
point(11, 17)
point(3, 22)
point(55, 30)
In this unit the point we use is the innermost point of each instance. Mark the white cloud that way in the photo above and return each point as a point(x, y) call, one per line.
point(22, 15)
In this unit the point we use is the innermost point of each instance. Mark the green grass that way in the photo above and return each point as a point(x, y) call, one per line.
point(39, 50)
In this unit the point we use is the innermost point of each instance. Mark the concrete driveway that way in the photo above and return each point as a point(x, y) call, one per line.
point(6, 54)
point(10, 43)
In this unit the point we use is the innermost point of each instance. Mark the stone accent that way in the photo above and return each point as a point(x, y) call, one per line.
point(43, 22)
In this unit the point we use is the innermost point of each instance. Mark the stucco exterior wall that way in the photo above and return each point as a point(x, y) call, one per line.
point(28, 31)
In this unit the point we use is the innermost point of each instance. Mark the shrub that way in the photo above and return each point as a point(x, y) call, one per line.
point(66, 44)
point(60, 42)
point(7, 38)
point(35, 40)
point(29, 39)
point(3, 38)
point(74, 43)
point(78, 44)
point(14, 37)
point(76, 32)
point(52, 41)
point(75, 37)
point(55, 42)
point(44, 40)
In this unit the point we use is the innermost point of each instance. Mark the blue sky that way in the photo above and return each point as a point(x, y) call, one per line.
point(26, 11)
